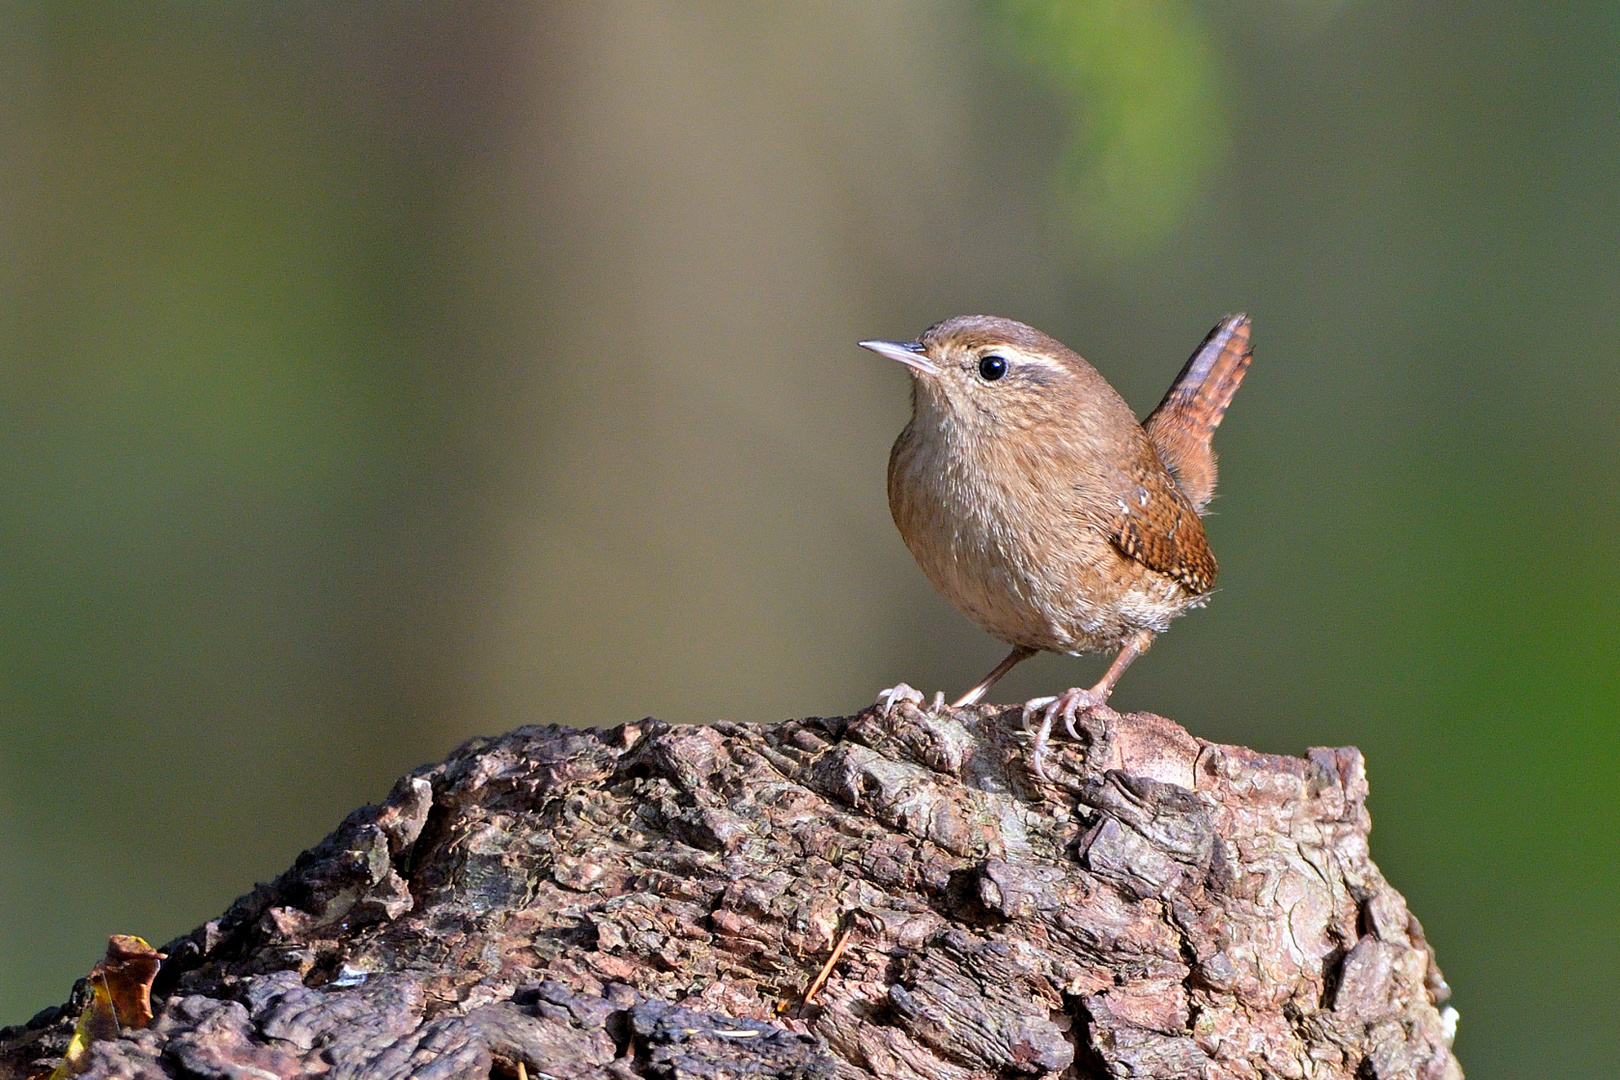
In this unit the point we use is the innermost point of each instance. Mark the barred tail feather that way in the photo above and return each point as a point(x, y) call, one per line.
point(1185, 421)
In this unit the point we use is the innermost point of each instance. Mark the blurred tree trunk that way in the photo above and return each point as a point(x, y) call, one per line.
point(655, 901)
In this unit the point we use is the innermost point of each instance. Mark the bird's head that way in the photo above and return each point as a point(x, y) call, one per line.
point(987, 375)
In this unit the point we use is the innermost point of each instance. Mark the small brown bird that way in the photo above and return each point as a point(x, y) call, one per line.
point(1035, 502)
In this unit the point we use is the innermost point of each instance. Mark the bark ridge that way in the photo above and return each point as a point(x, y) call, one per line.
point(651, 901)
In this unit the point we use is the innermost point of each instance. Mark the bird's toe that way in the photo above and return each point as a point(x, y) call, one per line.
point(900, 694)
point(1035, 707)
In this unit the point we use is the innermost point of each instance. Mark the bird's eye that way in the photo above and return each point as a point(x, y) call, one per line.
point(992, 367)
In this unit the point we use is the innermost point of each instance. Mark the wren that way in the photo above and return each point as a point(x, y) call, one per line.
point(1031, 497)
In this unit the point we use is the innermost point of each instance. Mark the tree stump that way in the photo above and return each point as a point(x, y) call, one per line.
point(656, 900)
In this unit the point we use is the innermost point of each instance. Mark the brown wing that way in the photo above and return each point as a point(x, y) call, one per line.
point(1183, 424)
point(1156, 525)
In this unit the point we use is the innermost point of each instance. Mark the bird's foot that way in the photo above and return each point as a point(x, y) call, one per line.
point(1068, 705)
point(901, 694)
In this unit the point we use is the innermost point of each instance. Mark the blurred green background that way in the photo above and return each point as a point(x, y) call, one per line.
point(375, 375)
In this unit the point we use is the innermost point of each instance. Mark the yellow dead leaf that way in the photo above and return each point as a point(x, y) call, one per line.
point(120, 1000)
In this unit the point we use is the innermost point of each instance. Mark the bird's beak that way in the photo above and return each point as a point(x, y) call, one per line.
point(909, 353)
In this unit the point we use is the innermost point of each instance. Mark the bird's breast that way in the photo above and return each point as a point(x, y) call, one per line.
point(1008, 542)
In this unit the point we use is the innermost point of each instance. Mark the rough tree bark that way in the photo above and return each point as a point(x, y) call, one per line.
point(653, 901)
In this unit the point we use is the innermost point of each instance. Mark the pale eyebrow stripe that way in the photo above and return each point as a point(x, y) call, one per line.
point(1021, 357)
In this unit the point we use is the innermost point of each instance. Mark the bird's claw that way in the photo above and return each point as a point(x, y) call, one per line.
point(1033, 706)
point(1068, 705)
point(900, 694)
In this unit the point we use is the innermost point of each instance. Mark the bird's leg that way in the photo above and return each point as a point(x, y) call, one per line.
point(891, 699)
point(1097, 697)
point(1019, 654)
point(1076, 700)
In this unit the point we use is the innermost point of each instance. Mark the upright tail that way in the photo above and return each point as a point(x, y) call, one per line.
point(1185, 421)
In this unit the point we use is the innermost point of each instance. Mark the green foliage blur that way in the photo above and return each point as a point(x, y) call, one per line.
point(1139, 86)
point(373, 376)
